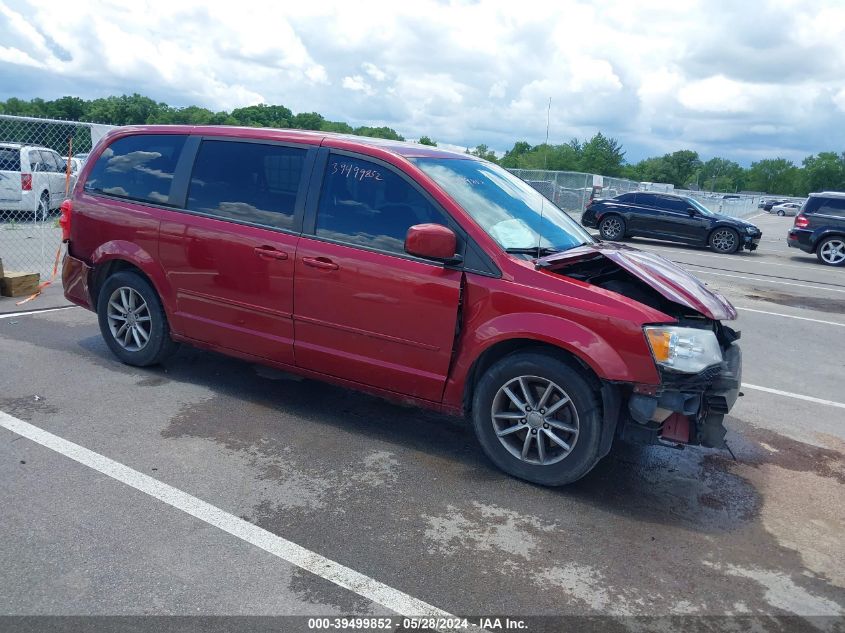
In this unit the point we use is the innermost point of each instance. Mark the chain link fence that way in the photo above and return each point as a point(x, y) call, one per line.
point(571, 191)
point(34, 180)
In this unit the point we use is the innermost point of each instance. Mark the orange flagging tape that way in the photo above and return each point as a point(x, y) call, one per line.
point(44, 284)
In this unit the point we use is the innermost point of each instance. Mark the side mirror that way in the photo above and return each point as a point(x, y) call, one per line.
point(432, 241)
point(692, 212)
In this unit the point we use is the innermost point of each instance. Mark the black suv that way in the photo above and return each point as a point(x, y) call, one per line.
point(820, 227)
point(669, 217)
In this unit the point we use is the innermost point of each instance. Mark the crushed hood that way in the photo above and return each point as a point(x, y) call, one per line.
point(666, 277)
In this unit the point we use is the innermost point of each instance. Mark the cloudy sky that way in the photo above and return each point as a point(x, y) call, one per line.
point(742, 79)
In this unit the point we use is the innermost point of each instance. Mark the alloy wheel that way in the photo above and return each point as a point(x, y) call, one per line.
point(612, 228)
point(535, 420)
point(129, 319)
point(724, 240)
point(833, 251)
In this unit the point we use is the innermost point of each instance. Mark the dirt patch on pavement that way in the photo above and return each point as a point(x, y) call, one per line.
point(822, 304)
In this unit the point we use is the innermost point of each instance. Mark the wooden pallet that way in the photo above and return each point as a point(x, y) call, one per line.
point(13, 284)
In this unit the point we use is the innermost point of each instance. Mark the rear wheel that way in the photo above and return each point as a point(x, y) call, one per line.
point(724, 240)
point(43, 208)
point(537, 418)
point(132, 320)
point(612, 228)
point(831, 251)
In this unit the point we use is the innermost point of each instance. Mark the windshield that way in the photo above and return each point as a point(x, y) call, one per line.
point(512, 212)
point(704, 210)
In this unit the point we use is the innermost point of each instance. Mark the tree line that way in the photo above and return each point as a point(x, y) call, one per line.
point(598, 155)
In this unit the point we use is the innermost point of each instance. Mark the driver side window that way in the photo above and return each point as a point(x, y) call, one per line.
point(367, 204)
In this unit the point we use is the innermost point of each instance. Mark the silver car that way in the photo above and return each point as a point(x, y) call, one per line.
point(787, 208)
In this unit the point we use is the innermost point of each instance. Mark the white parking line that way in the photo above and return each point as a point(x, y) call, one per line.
point(10, 315)
point(768, 281)
point(790, 316)
point(798, 396)
point(318, 565)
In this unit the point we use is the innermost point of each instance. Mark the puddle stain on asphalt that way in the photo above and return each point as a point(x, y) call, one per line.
point(321, 592)
point(26, 407)
point(821, 304)
point(650, 530)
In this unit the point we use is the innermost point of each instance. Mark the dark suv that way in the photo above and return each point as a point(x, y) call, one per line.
point(669, 217)
point(820, 227)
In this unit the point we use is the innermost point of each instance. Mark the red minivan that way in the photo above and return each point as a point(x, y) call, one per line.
point(402, 270)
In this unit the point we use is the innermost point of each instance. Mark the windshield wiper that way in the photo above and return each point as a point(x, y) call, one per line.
point(537, 251)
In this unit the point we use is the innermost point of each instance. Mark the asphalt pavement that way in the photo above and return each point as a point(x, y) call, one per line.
point(342, 484)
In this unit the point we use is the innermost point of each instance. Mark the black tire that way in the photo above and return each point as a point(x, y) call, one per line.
point(831, 251)
point(584, 453)
point(612, 228)
point(724, 240)
point(158, 345)
point(781, 213)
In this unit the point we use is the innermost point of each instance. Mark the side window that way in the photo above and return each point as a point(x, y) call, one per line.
point(626, 197)
point(833, 206)
point(364, 203)
point(10, 159)
point(49, 161)
point(669, 203)
point(138, 167)
point(35, 161)
point(647, 199)
point(248, 182)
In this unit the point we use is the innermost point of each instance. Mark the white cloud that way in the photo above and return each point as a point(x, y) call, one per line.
point(357, 83)
point(737, 79)
point(374, 71)
point(498, 90)
point(719, 94)
point(839, 99)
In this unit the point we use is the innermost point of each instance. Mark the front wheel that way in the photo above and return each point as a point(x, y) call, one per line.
point(132, 320)
point(537, 418)
point(781, 213)
point(724, 241)
point(831, 251)
point(612, 228)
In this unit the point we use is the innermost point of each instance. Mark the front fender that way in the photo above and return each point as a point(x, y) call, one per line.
point(627, 363)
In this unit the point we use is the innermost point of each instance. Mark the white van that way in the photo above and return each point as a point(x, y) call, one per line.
point(32, 180)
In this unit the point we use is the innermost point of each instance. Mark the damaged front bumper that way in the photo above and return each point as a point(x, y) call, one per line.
point(684, 408)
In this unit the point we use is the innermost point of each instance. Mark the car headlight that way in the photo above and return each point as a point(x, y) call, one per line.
point(751, 229)
point(683, 349)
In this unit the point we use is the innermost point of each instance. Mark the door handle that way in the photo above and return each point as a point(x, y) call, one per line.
point(323, 263)
point(270, 252)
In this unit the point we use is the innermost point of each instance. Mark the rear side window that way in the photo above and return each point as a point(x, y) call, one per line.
point(50, 161)
point(138, 167)
point(10, 159)
point(627, 197)
point(35, 161)
point(647, 199)
point(830, 206)
point(366, 204)
point(670, 203)
point(247, 182)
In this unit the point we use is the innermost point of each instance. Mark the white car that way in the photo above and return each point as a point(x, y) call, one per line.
point(787, 208)
point(32, 180)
